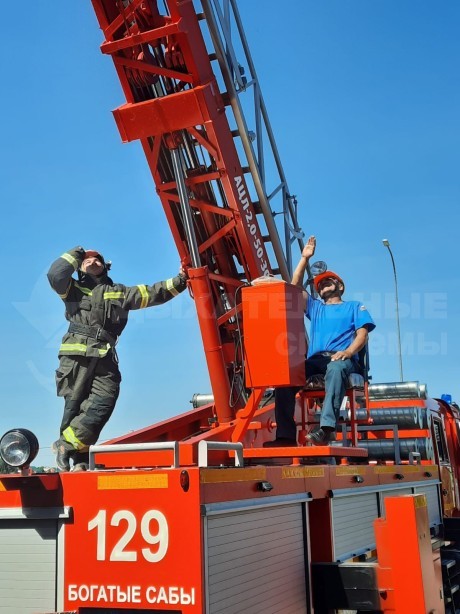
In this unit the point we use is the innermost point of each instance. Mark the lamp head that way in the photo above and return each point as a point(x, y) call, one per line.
point(318, 267)
point(386, 242)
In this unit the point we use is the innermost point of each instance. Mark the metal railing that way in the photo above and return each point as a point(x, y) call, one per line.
point(134, 447)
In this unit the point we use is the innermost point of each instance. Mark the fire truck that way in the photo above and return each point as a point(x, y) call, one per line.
point(193, 515)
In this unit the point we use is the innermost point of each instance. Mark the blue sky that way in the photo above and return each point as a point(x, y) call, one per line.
point(364, 100)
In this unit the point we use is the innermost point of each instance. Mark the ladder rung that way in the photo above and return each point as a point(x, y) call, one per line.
point(257, 207)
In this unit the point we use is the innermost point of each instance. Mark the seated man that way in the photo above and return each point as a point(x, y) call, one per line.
point(338, 331)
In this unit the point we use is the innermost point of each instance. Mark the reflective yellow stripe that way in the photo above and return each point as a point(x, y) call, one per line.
point(81, 347)
point(73, 347)
point(71, 438)
point(170, 287)
point(144, 295)
point(103, 352)
point(114, 295)
point(71, 260)
point(67, 291)
point(84, 290)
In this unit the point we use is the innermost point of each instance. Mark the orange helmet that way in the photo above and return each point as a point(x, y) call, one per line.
point(327, 275)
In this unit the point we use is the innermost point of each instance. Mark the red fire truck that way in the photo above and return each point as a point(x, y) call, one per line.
point(193, 515)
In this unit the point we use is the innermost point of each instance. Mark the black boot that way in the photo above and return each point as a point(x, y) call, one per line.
point(322, 437)
point(64, 452)
point(80, 461)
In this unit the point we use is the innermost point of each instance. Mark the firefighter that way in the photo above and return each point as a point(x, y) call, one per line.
point(339, 330)
point(88, 377)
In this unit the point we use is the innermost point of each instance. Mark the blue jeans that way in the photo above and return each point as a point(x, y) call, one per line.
point(336, 378)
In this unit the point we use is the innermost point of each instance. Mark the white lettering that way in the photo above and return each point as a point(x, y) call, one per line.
point(253, 229)
point(119, 553)
point(173, 594)
point(111, 593)
point(111, 589)
point(150, 594)
point(136, 594)
point(98, 522)
point(412, 344)
point(407, 345)
point(420, 306)
point(288, 344)
point(107, 594)
point(436, 305)
point(187, 599)
point(162, 595)
point(160, 537)
point(432, 348)
point(122, 597)
point(102, 594)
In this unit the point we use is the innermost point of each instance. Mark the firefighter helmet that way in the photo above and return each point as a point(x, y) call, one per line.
point(93, 253)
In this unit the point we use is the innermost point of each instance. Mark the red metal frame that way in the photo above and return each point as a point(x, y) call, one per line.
point(174, 100)
point(409, 571)
point(132, 533)
point(308, 399)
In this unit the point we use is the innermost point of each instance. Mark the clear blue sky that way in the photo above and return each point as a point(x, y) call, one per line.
point(364, 99)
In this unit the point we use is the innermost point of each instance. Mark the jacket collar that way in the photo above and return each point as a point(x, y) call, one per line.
point(89, 281)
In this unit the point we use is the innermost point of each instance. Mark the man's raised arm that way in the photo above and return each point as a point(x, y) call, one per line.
point(299, 272)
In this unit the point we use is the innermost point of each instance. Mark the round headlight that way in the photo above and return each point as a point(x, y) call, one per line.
point(18, 447)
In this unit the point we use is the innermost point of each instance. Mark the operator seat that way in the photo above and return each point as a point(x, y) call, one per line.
point(357, 395)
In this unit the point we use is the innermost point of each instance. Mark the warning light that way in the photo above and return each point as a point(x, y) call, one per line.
point(185, 480)
point(18, 447)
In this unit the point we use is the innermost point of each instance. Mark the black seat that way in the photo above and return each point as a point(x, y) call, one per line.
point(357, 394)
point(355, 380)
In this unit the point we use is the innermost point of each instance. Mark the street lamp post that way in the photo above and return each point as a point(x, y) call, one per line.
point(386, 243)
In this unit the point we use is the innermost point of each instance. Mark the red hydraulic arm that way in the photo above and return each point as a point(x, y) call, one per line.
point(177, 110)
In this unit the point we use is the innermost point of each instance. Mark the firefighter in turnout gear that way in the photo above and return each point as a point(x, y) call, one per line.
point(88, 376)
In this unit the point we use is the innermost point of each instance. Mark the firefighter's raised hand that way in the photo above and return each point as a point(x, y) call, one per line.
point(309, 248)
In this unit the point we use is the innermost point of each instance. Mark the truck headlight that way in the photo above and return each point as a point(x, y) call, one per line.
point(18, 447)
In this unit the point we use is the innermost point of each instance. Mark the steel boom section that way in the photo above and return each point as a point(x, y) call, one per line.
point(173, 103)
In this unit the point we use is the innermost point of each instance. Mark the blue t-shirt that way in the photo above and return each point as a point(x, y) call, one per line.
point(333, 326)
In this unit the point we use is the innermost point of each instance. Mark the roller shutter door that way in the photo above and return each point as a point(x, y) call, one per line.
point(432, 500)
point(353, 521)
point(256, 561)
point(27, 566)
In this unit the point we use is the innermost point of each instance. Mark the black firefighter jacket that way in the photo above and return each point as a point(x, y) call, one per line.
point(101, 304)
